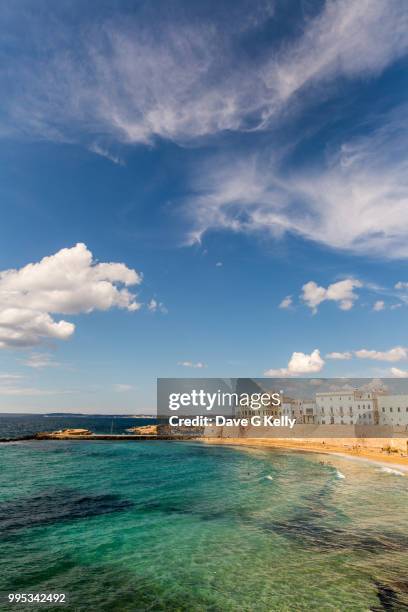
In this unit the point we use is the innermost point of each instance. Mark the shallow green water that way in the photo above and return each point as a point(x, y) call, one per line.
point(180, 526)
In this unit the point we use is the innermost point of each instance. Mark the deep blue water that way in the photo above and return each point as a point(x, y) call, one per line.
point(14, 426)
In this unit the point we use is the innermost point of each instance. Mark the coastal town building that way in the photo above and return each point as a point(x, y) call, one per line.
point(347, 407)
point(303, 410)
point(393, 410)
point(341, 407)
point(245, 411)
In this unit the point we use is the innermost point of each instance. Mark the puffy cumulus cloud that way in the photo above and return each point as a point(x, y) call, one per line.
point(379, 305)
point(256, 194)
point(336, 355)
point(67, 283)
point(179, 78)
point(401, 285)
point(394, 354)
point(192, 364)
point(397, 373)
point(341, 292)
point(286, 302)
point(299, 363)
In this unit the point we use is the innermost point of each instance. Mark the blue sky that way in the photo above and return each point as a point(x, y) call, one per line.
point(246, 165)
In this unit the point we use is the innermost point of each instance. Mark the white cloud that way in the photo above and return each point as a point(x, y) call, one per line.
point(379, 305)
point(191, 364)
point(68, 283)
point(299, 363)
point(397, 373)
point(155, 306)
point(218, 264)
point(341, 292)
point(286, 302)
point(14, 385)
point(367, 175)
point(135, 80)
point(104, 152)
point(40, 360)
point(401, 285)
point(376, 384)
point(394, 354)
point(27, 391)
point(122, 388)
point(6, 377)
point(335, 355)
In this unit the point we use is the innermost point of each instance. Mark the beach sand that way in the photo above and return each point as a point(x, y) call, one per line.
point(373, 455)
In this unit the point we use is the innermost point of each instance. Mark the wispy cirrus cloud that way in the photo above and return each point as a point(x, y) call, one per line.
point(192, 364)
point(40, 361)
point(366, 175)
point(123, 387)
point(16, 385)
point(183, 78)
point(105, 152)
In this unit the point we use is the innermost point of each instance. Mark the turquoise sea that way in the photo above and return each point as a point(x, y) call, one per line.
point(184, 526)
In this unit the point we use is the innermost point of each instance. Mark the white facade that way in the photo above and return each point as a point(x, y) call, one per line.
point(346, 408)
point(304, 411)
point(393, 410)
point(248, 412)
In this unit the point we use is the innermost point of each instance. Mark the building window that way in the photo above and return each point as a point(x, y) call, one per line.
point(383, 409)
point(390, 408)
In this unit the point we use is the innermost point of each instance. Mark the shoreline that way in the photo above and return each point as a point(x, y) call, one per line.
point(363, 454)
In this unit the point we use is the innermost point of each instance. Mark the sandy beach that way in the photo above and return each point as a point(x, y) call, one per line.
point(373, 455)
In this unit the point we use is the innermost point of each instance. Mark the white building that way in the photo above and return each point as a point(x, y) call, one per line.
point(347, 407)
point(393, 410)
point(304, 411)
point(261, 410)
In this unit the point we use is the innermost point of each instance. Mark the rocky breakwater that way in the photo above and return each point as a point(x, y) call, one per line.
point(64, 433)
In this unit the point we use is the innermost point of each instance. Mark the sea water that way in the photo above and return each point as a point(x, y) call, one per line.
point(159, 525)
